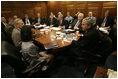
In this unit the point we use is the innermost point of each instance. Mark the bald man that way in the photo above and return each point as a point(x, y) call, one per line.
point(90, 14)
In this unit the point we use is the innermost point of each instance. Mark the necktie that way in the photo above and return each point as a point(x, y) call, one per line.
point(104, 22)
point(39, 20)
point(77, 24)
point(27, 21)
point(51, 21)
point(60, 23)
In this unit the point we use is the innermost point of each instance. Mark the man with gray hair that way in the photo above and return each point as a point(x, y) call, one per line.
point(39, 20)
point(77, 23)
point(27, 20)
point(16, 36)
point(61, 22)
point(88, 41)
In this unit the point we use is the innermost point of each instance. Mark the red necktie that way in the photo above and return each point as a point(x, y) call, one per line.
point(60, 23)
point(39, 20)
point(27, 21)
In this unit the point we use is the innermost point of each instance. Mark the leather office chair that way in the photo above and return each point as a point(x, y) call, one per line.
point(113, 36)
point(10, 55)
point(99, 58)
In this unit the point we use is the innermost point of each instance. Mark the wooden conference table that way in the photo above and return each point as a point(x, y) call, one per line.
point(50, 36)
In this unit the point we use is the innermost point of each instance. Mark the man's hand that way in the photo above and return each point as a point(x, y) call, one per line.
point(70, 27)
point(97, 27)
point(59, 26)
point(108, 28)
point(76, 28)
point(51, 25)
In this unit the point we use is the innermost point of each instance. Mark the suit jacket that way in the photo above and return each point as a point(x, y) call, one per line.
point(16, 37)
point(74, 23)
point(49, 21)
point(2, 28)
point(64, 22)
point(94, 20)
point(88, 42)
point(42, 20)
point(80, 25)
point(9, 29)
point(30, 19)
point(109, 22)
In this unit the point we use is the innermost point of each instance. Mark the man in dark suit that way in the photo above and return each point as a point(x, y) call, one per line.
point(3, 24)
point(88, 41)
point(77, 23)
point(39, 20)
point(27, 20)
point(113, 35)
point(10, 26)
point(51, 21)
point(76, 15)
point(106, 21)
point(61, 22)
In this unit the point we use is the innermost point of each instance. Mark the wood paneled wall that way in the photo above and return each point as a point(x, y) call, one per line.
point(10, 8)
point(97, 7)
point(19, 8)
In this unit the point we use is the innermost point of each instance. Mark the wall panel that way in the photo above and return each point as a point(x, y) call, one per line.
point(10, 8)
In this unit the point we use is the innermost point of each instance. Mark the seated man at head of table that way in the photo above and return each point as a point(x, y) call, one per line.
point(27, 20)
point(61, 22)
point(51, 21)
point(77, 23)
point(39, 20)
point(106, 21)
point(88, 41)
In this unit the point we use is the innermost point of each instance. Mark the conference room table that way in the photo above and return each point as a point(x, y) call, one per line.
point(48, 35)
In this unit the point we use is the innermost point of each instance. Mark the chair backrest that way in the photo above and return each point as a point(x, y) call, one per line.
point(10, 55)
point(4, 37)
point(113, 36)
point(104, 46)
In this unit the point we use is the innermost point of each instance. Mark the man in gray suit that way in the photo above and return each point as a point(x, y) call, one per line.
point(90, 14)
point(16, 36)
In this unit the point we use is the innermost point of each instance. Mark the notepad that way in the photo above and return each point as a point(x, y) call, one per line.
point(51, 45)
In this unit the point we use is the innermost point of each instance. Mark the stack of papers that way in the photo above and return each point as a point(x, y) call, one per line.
point(44, 29)
point(69, 30)
point(56, 28)
point(103, 29)
point(40, 26)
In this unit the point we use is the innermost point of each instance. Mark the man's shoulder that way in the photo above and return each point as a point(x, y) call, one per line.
point(15, 30)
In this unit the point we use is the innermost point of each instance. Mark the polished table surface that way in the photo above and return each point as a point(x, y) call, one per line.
point(99, 71)
point(47, 38)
